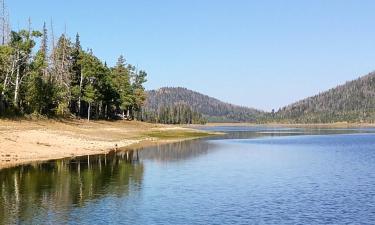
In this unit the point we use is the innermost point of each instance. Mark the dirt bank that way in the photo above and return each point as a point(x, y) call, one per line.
point(28, 141)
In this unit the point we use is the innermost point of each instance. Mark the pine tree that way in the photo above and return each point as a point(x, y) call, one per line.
point(37, 86)
point(121, 82)
point(139, 94)
point(77, 77)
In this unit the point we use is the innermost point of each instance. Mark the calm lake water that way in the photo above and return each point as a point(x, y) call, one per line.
point(253, 175)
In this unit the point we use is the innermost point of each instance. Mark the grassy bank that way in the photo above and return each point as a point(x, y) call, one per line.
point(24, 141)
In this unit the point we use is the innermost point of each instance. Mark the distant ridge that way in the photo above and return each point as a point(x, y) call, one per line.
point(353, 101)
point(211, 108)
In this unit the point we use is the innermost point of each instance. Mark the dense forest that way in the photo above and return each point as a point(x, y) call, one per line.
point(211, 109)
point(41, 76)
point(353, 101)
point(176, 113)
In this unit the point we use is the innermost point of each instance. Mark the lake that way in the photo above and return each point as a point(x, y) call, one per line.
point(252, 175)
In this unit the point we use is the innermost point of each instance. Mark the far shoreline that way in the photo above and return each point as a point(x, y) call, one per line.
point(290, 125)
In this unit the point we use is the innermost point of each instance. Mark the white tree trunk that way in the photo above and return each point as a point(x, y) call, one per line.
point(7, 77)
point(5, 85)
point(17, 85)
point(79, 97)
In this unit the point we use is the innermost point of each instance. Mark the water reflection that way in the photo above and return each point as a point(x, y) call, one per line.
point(31, 191)
point(261, 132)
point(176, 151)
point(65, 190)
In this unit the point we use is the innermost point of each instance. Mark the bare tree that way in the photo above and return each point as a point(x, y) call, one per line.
point(5, 24)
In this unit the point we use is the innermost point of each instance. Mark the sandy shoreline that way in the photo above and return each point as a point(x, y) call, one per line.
point(31, 141)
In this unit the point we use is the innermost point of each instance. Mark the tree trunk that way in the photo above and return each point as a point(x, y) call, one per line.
point(16, 89)
point(100, 109)
point(88, 112)
point(5, 85)
point(79, 97)
point(2, 96)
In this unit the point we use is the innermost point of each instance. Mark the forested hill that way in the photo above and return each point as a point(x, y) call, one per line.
point(212, 109)
point(353, 101)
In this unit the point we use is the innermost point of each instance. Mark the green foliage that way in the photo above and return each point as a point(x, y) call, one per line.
point(75, 91)
point(89, 94)
point(24, 40)
point(35, 94)
point(122, 85)
point(62, 109)
point(76, 66)
point(65, 80)
point(178, 113)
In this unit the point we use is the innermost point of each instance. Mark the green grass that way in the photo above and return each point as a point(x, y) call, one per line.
point(177, 134)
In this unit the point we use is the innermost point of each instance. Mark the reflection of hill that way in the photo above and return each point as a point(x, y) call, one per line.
point(176, 151)
point(283, 132)
point(31, 190)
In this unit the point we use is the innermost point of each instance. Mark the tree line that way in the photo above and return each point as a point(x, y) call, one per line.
point(62, 79)
point(178, 113)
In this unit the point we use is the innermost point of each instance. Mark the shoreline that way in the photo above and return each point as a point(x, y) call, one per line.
point(29, 141)
point(34, 141)
point(293, 125)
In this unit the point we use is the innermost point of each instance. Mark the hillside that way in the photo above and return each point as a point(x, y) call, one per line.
point(212, 109)
point(353, 101)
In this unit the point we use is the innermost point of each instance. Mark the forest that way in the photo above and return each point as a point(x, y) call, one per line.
point(176, 113)
point(353, 101)
point(210, 109)
point(44, 77)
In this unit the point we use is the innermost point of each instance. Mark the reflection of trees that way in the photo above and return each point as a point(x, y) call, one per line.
point(64, 184)
point(252, 134)
point(176, 151)
point(281, 132)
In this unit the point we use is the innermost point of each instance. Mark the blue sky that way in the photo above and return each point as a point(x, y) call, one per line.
point(263, 54)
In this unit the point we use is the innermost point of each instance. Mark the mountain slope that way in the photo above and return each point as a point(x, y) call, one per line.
point(213, 109)
point(353, 101)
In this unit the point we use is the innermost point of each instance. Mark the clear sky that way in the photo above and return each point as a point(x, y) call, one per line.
point(263, 54)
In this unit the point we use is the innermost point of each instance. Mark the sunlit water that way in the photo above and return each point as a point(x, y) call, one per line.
point(251, 176)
